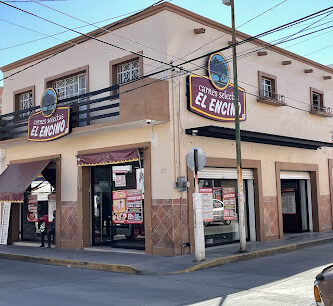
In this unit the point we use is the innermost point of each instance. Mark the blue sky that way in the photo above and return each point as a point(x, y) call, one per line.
point(98, 10)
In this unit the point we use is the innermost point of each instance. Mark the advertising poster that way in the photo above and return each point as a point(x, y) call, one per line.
point(32, 215)
point(4, 222)
point(217, 194)
point(120, 180)
point(52, 204)
point(229, 201)
point(140, 183)
point(127, 207)
point(288, 197)
point(207, 204)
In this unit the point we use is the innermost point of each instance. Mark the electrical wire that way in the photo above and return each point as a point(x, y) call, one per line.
point(79, 27)
point(246, 22)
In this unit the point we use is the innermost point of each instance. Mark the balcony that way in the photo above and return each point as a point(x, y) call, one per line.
point(129, 105)
point(271, 98)
point(322, 111)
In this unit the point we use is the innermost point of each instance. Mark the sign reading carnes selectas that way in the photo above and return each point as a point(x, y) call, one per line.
point(207, 101)
point(41, 128)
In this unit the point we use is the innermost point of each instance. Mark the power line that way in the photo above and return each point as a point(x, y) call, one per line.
point(103, 28)
point(257, 16)
point(62, 32)
point(89, 36)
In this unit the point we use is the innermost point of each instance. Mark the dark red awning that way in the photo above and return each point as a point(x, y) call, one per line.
point(108, 158)
point(17, 178)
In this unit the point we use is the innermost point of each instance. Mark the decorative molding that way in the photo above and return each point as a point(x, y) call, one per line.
point(262, 53)
point(199, 31)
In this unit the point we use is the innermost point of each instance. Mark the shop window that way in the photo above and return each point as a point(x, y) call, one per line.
point(24, 100)
point(268, 90)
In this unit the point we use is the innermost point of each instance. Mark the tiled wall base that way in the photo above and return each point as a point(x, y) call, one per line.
point(170, 226)
point(69, 224)
point(271, 219)
point(325, 211)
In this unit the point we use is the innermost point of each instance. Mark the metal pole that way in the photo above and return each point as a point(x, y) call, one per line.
point(199, 234)
point(242, 232)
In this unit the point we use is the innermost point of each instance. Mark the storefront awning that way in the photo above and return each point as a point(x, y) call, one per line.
point(17, 178)
point(108, 158)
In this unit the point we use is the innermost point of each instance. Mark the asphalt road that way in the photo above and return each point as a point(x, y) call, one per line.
point(282, 279)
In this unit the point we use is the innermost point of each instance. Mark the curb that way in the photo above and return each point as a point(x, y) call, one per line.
point(72, 263)
point(131, 270)
point(255, 254)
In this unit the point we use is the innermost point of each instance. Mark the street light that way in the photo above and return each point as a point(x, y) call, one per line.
point(240, 195)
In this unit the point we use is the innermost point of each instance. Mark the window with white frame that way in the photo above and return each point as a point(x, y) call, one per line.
point(128, 71)
point(25, 102)
point(267, 87)
point(71, 86)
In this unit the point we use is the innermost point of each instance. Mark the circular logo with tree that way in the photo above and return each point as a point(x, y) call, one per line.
point(218, 71)
point(49, 102)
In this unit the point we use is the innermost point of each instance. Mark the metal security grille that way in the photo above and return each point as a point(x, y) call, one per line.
point(70, 87)
point(128, 71)
point(25, 101)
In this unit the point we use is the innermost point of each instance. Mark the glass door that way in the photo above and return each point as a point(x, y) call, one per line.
point(101, 205)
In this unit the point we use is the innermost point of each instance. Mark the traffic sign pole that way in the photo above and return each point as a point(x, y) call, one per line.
point(196, 160)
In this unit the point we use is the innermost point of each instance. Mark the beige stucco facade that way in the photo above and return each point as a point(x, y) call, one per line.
point(165, 33)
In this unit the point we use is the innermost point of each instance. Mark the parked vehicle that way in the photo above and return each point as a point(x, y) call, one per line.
point(323, 287)
point(218, 216)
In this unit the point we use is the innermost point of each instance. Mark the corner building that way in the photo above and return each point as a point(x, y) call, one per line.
point(129, 133)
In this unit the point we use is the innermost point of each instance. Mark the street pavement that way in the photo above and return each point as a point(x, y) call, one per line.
point(280, 279)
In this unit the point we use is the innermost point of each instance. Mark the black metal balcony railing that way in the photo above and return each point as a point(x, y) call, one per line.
point(83, 111)
point(321, 110)
point(270, 97)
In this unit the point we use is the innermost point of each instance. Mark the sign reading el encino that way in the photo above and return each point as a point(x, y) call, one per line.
point(213, 97)
point(51, 122)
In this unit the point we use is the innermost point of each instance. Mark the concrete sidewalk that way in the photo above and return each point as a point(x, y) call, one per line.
point(136, 262)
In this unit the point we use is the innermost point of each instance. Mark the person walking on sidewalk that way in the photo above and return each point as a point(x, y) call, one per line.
point(51, 230)
point(44, 225)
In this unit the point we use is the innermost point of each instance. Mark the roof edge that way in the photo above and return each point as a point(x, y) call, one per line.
point(152, 11)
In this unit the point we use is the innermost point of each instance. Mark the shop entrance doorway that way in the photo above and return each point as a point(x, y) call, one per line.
point(117, 205)
point(296, 205)
point(220, 210)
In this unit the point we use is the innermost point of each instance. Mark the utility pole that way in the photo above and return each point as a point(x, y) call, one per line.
point(240, 190)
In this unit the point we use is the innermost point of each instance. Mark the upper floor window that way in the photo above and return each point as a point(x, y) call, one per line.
point(128, 71)
point(268, 90)
point(267, 87)
point(24, 99)
point(71, 86)
point(317, 104)
point(317, 99)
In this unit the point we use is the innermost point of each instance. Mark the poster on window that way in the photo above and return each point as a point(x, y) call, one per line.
point(120, 180)
point(127, 206)
point(32, 215)
point(217, 193)
point(4, 221)
point(51, 205)
point(140, 183)
point(288, 197)
point(207, 204)
point(229, 203)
